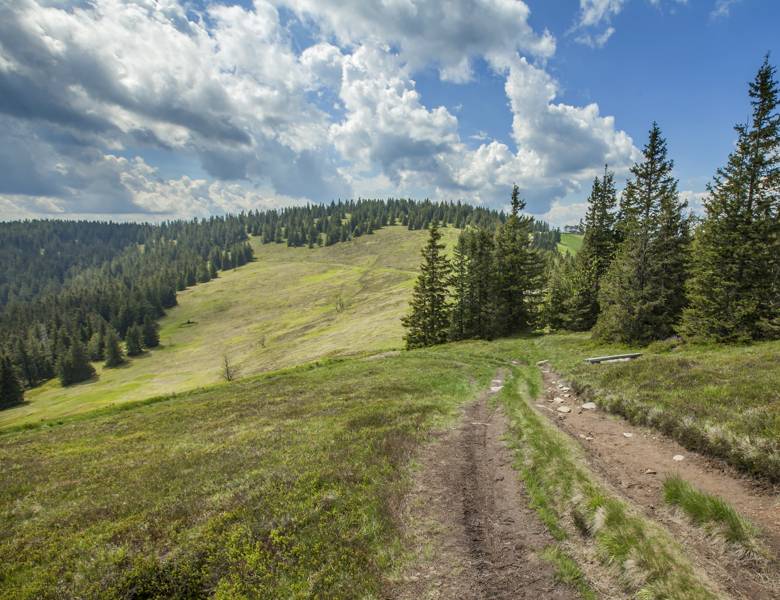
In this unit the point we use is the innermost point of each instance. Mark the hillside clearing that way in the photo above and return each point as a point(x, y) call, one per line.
point(289, 306)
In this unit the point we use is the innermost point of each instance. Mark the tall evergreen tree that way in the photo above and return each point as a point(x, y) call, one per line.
point(428, 321)
point(560, 293)
point(151, 333)
point(113, 351)
point(596, 254)
point(481, 285)
point(11, 391)
point(642, 292)
point(519, 270)
point(735, 283)
point(73, 365)
point(459, 283)
point(133, 341)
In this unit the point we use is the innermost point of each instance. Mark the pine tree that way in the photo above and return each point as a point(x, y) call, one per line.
point(481, 284)
point(639, 300)
point(519, 270)
point(459, 283)
point(113, 351)
point(96, 347)
point(735, 283)
point(73, 366)
point(151, 333)
point(133, 341)
point(11, 391)
point(560, 293)
point(428, 320)
point(594, 257)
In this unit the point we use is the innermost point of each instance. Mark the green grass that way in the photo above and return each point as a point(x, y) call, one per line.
point(570, 243)
point(284, 485)
point(715, 514)
point(647, 561)
point(290, 306)
point(719, 400)
point(568, 571)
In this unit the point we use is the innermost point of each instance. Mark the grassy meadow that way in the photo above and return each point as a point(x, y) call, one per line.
point(289, 306)
point(282, 485)
point(570, 243)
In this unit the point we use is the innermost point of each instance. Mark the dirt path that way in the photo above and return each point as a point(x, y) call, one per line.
point(634, 461)
point(469, 519)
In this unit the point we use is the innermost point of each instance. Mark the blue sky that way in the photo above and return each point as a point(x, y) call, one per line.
point(149, 110)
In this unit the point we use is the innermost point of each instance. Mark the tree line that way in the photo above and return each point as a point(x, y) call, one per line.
point(99, 305)
point(647, 269)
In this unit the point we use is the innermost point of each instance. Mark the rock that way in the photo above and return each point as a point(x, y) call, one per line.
point(564, 409)
point(588, 438)
point(541, 363)
point(628, 435)
point(678, 457)
point(496, 388)
point(650, 472)
point(559, 400)
point(565, 389)
point(589, 406)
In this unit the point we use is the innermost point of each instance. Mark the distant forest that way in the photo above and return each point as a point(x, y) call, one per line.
point(75, 292)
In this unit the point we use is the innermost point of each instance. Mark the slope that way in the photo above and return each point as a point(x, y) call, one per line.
point(570, 243)
point(290, 306)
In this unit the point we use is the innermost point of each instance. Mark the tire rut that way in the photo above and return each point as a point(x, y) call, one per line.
point(468, 518)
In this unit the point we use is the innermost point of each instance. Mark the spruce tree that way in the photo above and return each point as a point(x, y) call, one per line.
point(151, 333)
point(133, 341)
point(519, 270)
point(481, 285)
point(73, 366)
point(734, 288)
point(11, 391)
point(428, 320)
point(113, 351)
point(642, 293)
point(459, 283)
point(560, 293)
point(96, 346)
point(596, 254)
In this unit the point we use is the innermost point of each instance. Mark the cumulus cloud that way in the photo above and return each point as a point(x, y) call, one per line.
point(448, 34)
point(723, 8)
point(86, 90)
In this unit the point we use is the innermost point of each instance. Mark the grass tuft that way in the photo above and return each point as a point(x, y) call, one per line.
point(568, 571)
point(715, 514)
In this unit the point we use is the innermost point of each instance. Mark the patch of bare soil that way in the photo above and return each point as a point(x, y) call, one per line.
point(469, 519)
point(634, 461)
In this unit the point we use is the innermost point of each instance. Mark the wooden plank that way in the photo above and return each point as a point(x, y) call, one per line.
point(614, 358)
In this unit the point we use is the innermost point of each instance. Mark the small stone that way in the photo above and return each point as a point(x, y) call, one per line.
point(559, 400)
point(650, 472)
point(628, 435)
point(589, 406)
point(588, 438)
point(496, 388)
point(564, 409)
point(541, 363)
point(678, 457)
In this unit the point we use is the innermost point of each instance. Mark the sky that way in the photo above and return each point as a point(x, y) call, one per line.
point(159, 109)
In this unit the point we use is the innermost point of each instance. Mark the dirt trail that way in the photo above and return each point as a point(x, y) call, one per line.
point(635, 466)
point(469, 519)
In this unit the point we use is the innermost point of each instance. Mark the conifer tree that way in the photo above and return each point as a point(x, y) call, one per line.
point(560, 293)
point(642, 293)
point(734, 288)
point(73, 365)
point(594, 257)
point(113, 351)
point(519, 270)
point(151, 333)
point(96, 346)
point(11, 391)
point(459, 283)
point(133, 341)
point(481, 285)
point(428, 321)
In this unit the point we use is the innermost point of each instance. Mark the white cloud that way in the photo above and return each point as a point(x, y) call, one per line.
point(722, 8)
point(598, 14)
point(82, 88)
point(447, 34)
